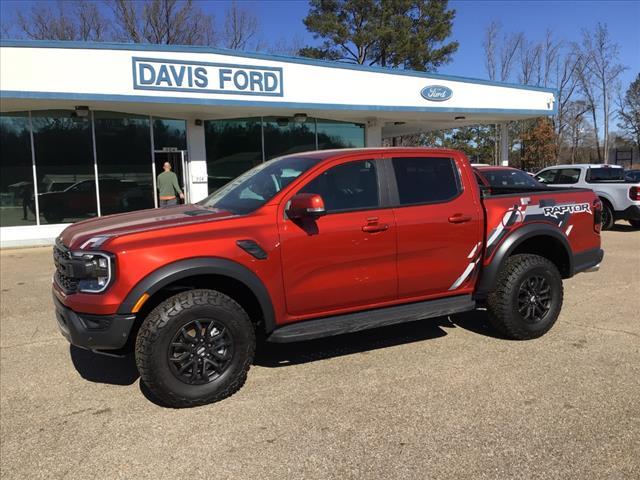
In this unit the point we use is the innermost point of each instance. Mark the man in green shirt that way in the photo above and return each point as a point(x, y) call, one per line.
point(168, 187)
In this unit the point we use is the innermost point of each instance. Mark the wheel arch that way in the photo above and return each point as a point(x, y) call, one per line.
point(539, 239)
point(226, 276)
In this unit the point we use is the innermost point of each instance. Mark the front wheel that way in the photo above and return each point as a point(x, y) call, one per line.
point(528, 297)
point(195, 348)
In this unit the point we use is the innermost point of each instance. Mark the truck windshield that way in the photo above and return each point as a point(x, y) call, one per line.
point(257, 186)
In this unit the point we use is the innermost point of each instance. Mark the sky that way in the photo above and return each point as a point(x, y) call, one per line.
point(282, 21)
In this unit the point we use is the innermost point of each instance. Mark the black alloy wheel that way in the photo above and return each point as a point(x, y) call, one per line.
point(200, 352)
point(527, 298)
point(195, 347)
point(534, 299)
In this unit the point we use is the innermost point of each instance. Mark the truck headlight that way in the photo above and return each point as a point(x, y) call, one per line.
point(93, 271)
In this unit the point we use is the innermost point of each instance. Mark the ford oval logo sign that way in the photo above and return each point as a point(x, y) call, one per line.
point(436, 93)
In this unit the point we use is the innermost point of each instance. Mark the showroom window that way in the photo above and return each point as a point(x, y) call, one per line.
point(63, 150)
point(234, 146)
point(16, 171)
point(123, 153)
point(65, 166)
point(284, 136)
point(334, 134)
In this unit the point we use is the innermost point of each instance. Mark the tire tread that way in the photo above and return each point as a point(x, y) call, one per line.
point(160, 317)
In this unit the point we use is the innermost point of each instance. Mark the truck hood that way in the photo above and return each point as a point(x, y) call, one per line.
point(78, 235)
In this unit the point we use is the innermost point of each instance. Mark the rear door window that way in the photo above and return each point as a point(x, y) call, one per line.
point(559, 176)
point(547, 177)
point(567, 176)
point(426, 179)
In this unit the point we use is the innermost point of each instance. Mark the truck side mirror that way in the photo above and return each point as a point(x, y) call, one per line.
point(306, 205)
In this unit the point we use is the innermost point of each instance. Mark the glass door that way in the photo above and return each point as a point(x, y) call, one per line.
point(177, 160)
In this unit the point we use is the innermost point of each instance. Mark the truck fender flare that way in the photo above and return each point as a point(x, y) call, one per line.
point(180, 269)
point(489, 274)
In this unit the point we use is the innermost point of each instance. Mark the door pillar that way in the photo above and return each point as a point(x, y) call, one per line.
point(197, 159)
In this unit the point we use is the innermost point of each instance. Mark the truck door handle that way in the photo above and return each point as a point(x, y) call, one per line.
point(375, 228)
point(459, 218)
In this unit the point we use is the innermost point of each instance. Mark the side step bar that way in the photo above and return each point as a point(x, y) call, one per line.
point(353, 322)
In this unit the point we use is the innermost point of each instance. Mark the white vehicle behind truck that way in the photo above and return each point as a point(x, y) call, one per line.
point(620, 198)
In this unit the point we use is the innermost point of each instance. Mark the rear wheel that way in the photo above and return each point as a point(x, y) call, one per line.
point(195, 348)
point(607, 216)
point(528, 297)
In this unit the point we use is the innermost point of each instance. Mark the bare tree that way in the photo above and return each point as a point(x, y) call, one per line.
point(568, 73)
point(601, 55)
point(629, 110)
point(163, 22)
point(509, 49)
point(240, 26)
point(552, 49)
point(490, 46)
point(283, 46)
point(588, 89)
point(79, 20)
point(530, 54)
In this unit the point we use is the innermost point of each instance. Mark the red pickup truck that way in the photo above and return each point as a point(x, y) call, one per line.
point(311, 245)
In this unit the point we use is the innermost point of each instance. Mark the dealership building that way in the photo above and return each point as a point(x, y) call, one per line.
point(86, 127)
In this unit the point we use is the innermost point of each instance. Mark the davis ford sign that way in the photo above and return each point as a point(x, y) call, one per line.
point(436, 93)
point(204, 77)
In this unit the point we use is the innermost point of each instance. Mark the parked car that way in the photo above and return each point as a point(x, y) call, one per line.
point(79, 200)
point(505, 179)
point(620, 199)
point(312, 245)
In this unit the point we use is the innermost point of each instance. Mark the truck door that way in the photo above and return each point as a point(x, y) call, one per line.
point(345, 258)
point(439, 224)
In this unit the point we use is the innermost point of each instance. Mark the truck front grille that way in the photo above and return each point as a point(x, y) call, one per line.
point(60, 255)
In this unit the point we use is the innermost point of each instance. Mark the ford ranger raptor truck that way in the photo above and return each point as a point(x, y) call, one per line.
point(312, 245)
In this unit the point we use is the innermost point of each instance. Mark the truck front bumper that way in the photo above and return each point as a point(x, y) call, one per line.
point(93, 332)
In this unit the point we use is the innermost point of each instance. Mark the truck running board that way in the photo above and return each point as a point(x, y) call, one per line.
point(353, 322)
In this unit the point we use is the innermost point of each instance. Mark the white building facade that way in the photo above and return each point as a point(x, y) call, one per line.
point(85, 128)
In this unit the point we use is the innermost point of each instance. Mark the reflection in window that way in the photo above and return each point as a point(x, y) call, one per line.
point(284, 136)
point(123, 147)
point(349, 186)
point(233, 147)
point(426, 180)
point(334, 134)
point(169, 133)
point(16, 172)
point(64, 161)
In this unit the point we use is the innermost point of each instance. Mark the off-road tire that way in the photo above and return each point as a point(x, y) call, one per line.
point(165, 321)
point(607, 216)
point(503, 301)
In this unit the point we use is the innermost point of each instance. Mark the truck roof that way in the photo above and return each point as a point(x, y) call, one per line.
point(323, 154)
point(583, 165)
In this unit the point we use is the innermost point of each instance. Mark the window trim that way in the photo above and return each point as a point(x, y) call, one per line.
point(383, 194)
point(395, 196)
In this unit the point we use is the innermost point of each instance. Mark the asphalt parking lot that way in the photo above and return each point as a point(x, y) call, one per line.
point(440, 398)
